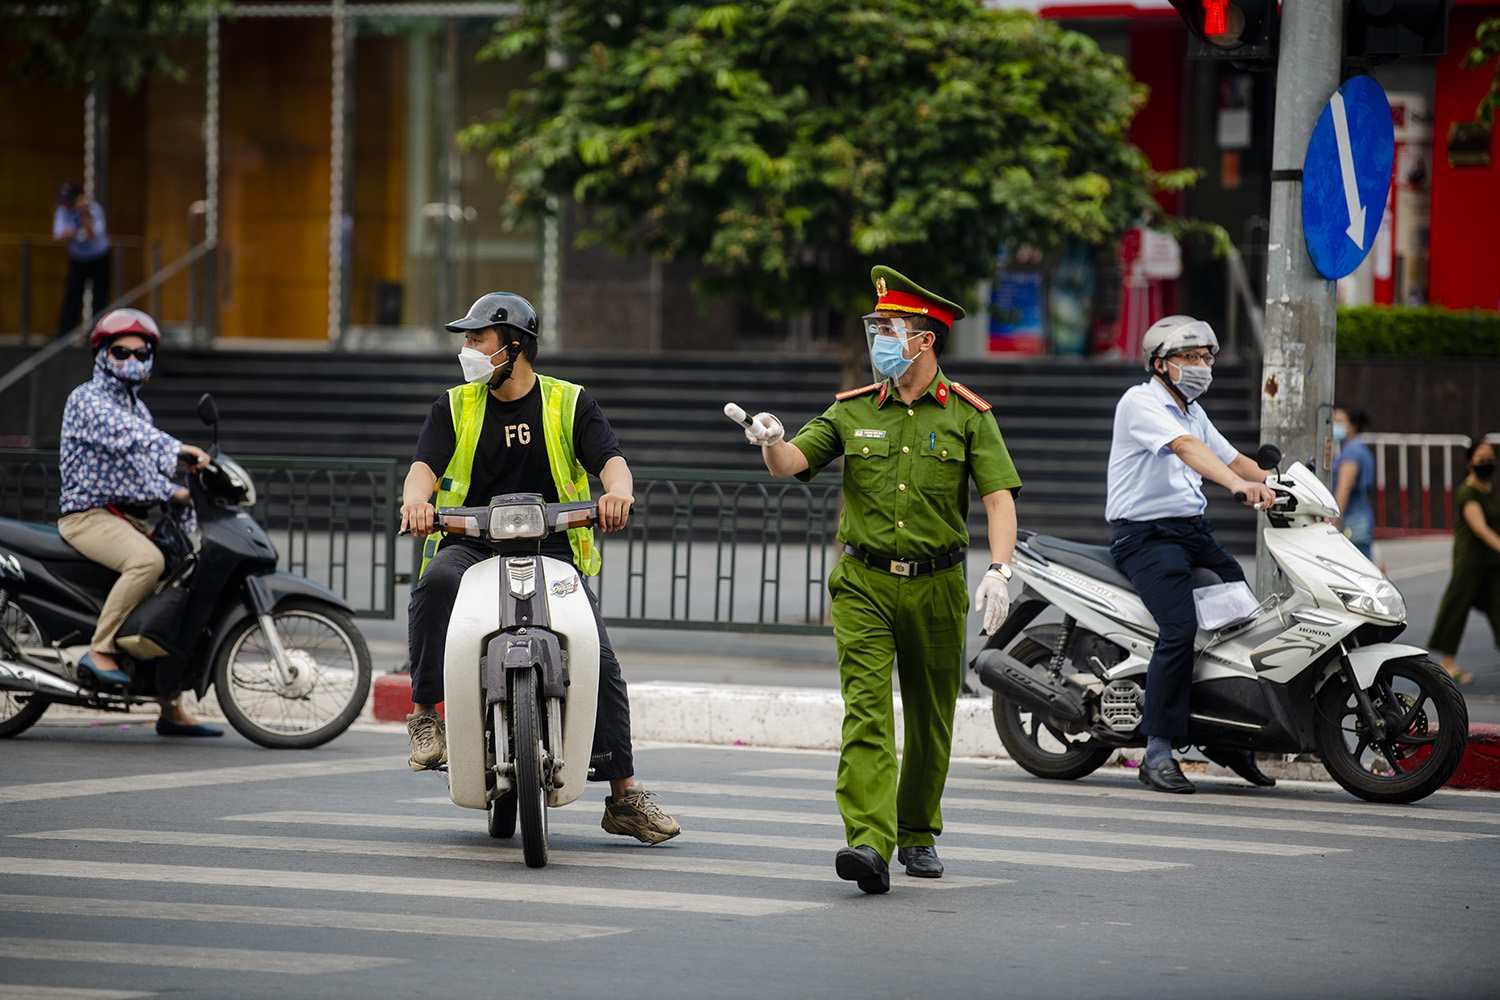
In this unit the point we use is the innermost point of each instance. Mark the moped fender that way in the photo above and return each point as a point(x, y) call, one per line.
point(536, 650)
point(1365, 661)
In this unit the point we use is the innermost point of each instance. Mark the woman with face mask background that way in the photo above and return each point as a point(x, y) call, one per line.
point(1476, 559)
point(115, 467)
point(1354, 478)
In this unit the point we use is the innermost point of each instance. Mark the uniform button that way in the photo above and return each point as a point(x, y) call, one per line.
point(904, 449)
point(945, 452)
point(902, 486)
point(900, 524)
point(867, 449)
point(911, 413)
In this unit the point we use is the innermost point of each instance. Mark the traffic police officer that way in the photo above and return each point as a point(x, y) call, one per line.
point(910, 444)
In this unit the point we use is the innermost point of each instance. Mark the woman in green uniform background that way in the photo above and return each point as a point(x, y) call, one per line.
point(1476, 559)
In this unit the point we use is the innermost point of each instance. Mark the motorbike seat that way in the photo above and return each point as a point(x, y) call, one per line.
point(1096, 561)
point(39, 541)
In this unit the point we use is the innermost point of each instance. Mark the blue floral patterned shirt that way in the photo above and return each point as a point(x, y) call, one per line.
point(112, 452)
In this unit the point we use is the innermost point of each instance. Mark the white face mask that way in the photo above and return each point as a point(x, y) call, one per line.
point(1193, 380)
point(477, 365)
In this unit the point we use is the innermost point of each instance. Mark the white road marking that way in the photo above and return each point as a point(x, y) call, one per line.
point(276, 916)
point(1241, 797)
point(1092, 812)
point(832, 819)
point(41, 791)
point(665, 860)
point(296, 963)
point(19, 991)
point(394, 885)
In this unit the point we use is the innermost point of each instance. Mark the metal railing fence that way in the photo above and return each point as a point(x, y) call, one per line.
point(1415, 476)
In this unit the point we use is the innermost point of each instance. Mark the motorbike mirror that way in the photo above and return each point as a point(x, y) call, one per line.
point(208, 412)
point(1268, 457)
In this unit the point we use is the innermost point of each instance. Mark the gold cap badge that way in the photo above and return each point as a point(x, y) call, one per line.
point(879, 286)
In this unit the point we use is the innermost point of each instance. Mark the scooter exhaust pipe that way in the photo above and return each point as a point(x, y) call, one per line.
point(1033, 688)
point(19, 677)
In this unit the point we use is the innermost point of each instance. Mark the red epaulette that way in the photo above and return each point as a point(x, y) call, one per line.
point(968, 395)
point(851, 393)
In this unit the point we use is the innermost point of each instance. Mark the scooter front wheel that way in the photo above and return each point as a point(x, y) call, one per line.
point(502, 817)
point(531, 791)
point(19, 711)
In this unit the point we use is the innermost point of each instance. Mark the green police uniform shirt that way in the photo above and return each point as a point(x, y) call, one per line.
point(907, 467)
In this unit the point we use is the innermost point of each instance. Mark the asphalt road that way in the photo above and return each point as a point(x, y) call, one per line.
point(134, 867)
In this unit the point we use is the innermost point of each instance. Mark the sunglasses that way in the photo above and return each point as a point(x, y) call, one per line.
point(124, 353)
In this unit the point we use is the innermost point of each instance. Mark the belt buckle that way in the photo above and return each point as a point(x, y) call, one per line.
point(902, 568)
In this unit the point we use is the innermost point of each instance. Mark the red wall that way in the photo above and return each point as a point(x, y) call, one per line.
point(1464, 263)
point(1157, 50)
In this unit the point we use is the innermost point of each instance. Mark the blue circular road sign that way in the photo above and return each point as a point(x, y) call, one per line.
point(1346, 176)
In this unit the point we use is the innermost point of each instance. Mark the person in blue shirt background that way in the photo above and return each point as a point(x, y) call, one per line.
point(1354, 477)
point(79, 224)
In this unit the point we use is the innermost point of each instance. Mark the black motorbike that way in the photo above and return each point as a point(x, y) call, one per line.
point(287, 664)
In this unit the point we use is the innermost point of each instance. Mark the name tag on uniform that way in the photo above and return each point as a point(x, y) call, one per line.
point(869, 434)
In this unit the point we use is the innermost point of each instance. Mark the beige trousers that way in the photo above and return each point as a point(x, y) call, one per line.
point(122, 545)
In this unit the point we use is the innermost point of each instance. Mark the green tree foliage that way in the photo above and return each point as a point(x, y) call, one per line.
point(1486, 47)
point(791, 144)
point(1418, 331)
point(79, 41)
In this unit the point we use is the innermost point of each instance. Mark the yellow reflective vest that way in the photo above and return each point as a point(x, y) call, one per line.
point(559, 399)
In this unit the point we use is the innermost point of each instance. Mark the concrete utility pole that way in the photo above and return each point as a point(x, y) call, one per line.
point(1296, 398)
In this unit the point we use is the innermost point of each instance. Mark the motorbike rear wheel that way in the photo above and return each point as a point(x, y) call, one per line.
point(1427, 727)
point(1038, 743)
point(19, 711)
point(531, 790)
point(332, 677)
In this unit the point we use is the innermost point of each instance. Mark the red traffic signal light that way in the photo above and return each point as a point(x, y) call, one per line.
point(1233, 29)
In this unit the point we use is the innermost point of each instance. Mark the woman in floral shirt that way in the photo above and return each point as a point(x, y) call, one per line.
point(115, 468)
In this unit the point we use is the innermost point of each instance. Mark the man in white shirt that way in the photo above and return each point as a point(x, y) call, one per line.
point(1164, 446)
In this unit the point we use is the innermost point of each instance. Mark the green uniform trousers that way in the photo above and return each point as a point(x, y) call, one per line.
point(919, 623)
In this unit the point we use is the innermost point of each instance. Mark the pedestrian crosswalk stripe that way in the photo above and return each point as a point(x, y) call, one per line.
point(296, 963)
point(42, 791)
point(1231, 793)
point(1043, 858)
point(276, 916)
point(22, 991)
point(1165, 814)
point(395, 885)
point(665, 860)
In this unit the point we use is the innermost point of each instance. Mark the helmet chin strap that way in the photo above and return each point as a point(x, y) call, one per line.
point(1166, 377)
point(508, 369)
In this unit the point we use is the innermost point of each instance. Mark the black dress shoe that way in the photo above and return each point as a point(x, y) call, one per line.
point(920, 862)
point(862, 866)
point(1166, 777)
point(1241, 762)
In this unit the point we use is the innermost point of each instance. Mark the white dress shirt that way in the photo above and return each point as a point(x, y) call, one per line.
point(1146, 478)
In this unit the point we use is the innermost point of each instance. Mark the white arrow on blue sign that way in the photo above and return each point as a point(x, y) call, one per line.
point(1347, 176)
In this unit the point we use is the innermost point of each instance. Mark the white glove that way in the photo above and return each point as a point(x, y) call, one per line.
point(764, 430)
point(993, 598)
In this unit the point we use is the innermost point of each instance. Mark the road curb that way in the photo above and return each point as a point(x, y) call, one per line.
point(811, 719)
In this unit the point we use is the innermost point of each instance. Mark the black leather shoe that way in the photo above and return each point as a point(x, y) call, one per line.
point(862, 866)
point(1241, 762)
point(920, 862)
point(1166, 777)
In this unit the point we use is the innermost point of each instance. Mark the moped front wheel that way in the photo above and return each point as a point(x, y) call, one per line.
point(531, 790)
point(1426, 732)
point(19, 711)
point(502, 817)
point(327, 688)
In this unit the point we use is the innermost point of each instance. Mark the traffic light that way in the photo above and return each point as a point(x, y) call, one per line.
point(1242, 30)
point(1397, 28)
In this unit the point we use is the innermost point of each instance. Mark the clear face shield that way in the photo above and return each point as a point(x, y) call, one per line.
point(886, 356)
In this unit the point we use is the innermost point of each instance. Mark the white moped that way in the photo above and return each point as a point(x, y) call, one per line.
point(520, 669)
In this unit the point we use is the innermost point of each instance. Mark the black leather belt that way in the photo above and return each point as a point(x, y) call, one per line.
point(905, 567)
point(1161, 520)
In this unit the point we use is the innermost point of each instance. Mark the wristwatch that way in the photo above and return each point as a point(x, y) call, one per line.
point(1002, 568)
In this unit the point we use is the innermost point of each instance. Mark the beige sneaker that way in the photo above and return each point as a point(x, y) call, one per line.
point(429, 740)
point(633, 814)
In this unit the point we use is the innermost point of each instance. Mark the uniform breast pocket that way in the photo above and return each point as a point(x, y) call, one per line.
point(943, 467)
point(866, 462)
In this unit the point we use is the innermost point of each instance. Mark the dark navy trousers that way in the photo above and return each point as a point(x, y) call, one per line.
point(1159, 557)
point(427, 634)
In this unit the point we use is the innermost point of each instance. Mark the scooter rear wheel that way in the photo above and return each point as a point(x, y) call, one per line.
point(1037, 743)
point(531, 791)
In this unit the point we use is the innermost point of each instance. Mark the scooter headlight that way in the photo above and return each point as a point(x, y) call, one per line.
point(1382, 600)
point(517, 520)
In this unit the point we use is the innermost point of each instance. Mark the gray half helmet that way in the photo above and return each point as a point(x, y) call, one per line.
point(1174, 334)
point(497, 309)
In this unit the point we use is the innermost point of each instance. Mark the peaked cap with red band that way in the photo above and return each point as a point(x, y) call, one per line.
point(897, 293)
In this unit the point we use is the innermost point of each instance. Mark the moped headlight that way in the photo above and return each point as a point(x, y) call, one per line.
point(1382, 600)
point(517, 520)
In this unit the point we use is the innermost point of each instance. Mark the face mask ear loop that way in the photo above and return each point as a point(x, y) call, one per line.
point(1166, 376)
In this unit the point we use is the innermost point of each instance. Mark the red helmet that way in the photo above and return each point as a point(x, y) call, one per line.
point(119, 322)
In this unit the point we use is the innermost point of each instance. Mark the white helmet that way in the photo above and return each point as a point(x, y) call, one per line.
point(1174, 334)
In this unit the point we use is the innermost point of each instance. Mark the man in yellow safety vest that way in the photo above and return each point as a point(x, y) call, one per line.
point(508, 429)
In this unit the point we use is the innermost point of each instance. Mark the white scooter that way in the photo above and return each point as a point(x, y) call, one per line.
point(1312, 670)
point(520, 669)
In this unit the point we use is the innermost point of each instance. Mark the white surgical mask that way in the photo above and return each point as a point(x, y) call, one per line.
point(1193, 380)
point(476, 364)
